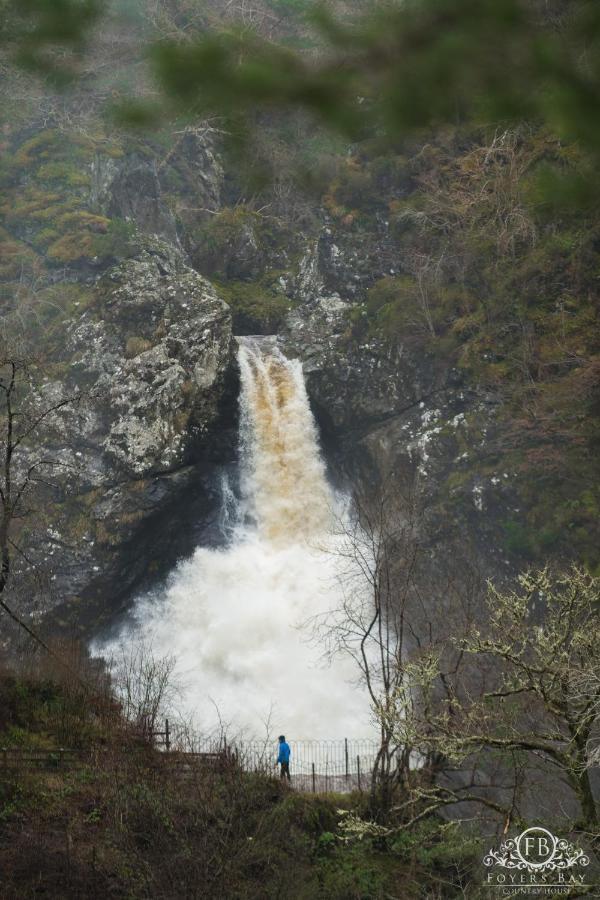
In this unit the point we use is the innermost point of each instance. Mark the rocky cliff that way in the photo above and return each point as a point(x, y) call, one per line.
point(153, 358)
point(389, 414)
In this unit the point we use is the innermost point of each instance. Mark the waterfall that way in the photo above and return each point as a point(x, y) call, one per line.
point(235, 617)
point(283, 474)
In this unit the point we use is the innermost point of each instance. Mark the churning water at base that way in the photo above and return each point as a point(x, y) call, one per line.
point(235, 617)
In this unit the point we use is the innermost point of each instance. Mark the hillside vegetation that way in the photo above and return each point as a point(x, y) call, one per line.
point(494, 281)
point(123, 820)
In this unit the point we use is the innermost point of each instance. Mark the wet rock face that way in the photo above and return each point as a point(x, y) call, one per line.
point(135, 195)
point(352, 384)
point(155, 357)
point(130, 189)
point(194, 164)
point(158, 355)
point(392, 413)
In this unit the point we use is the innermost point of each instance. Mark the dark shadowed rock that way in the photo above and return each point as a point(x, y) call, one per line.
point(130, 189)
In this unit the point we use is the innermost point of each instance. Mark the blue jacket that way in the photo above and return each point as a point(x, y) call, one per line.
point(284, 753)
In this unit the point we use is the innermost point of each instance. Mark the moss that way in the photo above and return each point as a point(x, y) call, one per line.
point(353, 190)
point(138, 486)
point(15, 256)
point(131, 518)
point(239, 243)
point(64, 173)
point(517, 539)
point(511, 307)
point(32, 201)
point(395, 308)
point(181, 421)
point(257, 308)
point(116, 240)
point(54, 306)
point(188, 387)
point(71, 247)
point(83, 219)
point(46, 236)
point(49, 212)
point(136, 345)
point(38, 146)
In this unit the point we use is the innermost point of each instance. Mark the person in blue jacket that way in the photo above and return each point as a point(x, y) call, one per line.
point(284, 757)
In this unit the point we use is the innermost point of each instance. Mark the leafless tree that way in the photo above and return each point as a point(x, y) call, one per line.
point(536, 700)
point(377, 546)
point(145, 685)
point(25, 465)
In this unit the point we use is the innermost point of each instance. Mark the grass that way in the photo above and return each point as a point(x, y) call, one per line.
point(123, 822)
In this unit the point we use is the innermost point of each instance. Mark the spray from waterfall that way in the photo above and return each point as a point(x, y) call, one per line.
point(234, 617)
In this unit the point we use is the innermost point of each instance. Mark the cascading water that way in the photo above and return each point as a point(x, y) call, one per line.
point(235, 617)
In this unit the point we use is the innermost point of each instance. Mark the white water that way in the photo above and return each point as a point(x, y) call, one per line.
point(233, 617)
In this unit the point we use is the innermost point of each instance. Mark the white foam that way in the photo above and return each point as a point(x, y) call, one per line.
point(235, 618)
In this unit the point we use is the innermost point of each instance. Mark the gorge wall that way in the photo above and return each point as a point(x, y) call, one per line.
point(133, 262)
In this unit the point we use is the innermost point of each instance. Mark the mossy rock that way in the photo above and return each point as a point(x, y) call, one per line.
point(256, 308)
point(71, 247)
point(136, 345)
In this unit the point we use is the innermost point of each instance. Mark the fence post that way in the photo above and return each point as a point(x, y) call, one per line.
point(313, 779)
point(167, 736)
point(358, 770)
point(346, 757)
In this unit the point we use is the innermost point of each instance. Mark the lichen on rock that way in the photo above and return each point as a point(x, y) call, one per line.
point(154, 357)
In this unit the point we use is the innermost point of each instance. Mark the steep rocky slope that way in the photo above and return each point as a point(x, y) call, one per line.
point(392, 418)
point(153, 357)
point(155, 353)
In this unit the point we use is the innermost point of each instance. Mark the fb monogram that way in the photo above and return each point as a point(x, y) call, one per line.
point(536, 847)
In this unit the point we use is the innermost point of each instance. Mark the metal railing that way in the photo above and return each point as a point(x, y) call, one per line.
point(318, 766)
point(335, 765)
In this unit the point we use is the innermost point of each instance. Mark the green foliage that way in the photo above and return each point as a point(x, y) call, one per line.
point(16, 256)
point(354, 871)
point(37, 147)
point(152, 832)
point(293, 7)
point(115, 240)
point(406, 67)
point(353, 190)
point(393, 306)
point(539, 643)
point(72, 247)
point(518, 539)
point(224, 233)
point(37, 713)
point(396, 68)
point(238, 243)
point(62, 172)
point(47, 36)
